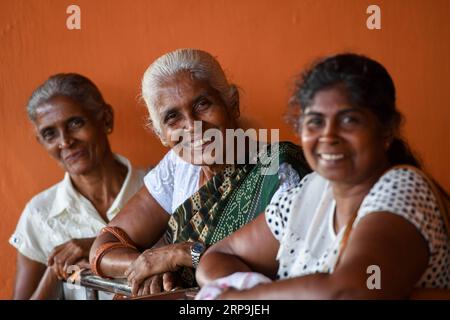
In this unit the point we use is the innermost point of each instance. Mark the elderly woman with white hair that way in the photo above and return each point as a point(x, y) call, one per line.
point(191, 195)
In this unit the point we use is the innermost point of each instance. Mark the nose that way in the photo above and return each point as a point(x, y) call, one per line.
point(189, 123)
point(65, 141)
point(330, 133)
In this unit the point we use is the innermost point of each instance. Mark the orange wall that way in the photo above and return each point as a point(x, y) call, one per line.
point(262, 44)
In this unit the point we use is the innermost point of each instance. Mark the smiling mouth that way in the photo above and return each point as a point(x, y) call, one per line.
point(74, 156)
point(196, 144)
point(199, 143)
point(331, 156)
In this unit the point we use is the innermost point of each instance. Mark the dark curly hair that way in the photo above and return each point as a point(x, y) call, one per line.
point(368, 85)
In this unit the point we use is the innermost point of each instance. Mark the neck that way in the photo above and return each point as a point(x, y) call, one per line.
point(349, 196)
point(207, 172)
point(102, 184)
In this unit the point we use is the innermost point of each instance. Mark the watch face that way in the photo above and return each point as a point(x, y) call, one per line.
point(198, 247)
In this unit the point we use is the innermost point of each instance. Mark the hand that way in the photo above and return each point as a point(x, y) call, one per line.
point(155, 261)
point(68, 254)
point(156, 284)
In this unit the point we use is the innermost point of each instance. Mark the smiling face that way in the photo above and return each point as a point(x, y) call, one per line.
point(183, 100)
point(343, 143)
point(72, 135)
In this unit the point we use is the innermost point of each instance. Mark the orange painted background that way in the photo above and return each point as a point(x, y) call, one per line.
point(262, 44)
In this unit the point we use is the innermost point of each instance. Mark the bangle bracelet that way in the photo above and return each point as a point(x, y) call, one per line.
point(121, 235)
point(101, 251)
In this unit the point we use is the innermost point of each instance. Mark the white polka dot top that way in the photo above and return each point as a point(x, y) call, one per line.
point(301, 218)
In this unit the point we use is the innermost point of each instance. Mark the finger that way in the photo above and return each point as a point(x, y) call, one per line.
point(141, 290)
point(54, 268)
point(134, 288)
point(137, 276)
point(57, 267)
point(156, 284)
point(70, 261)
point(146, 286)
point(61, 259)
point(168, 281)
point(53, 253)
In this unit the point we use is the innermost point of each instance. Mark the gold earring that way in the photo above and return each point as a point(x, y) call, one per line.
point(387, 145)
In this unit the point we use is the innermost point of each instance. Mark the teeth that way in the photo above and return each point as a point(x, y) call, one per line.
point(327, 156)
point(199, 143)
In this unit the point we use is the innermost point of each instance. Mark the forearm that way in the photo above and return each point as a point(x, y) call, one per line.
point(49, 288)
point(217, 265)
point(320, 286)
point(116, 261)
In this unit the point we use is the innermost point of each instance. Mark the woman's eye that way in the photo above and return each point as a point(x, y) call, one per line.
point(76, 123)
point(170, 118)
point(313, 122)
point(349, 120)
point(203, 105)
point(48, 135)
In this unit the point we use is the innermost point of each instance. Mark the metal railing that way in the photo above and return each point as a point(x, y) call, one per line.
point(92, 284)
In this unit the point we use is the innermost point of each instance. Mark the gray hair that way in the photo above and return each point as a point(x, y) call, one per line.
point(71, 85)
point(200, 64)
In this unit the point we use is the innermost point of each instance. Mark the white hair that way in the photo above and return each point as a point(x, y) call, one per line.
point(200, 64)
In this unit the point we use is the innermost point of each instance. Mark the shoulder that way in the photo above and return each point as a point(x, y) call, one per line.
point(401, 183)
point(405, 192)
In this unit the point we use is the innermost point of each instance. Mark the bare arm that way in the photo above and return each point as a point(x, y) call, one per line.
point(144, 220)
point(381, 239)
point(28, 276)
point(49, 288)
point(251, 248)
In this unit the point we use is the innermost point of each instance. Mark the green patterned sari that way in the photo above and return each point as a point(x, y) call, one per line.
point(233, 197)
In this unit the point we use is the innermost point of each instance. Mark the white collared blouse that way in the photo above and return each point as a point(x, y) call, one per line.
point(61, 213)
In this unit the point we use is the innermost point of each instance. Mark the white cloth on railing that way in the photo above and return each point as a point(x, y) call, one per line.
point(238, 280)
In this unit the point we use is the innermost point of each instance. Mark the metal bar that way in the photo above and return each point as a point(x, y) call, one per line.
point(91, 281)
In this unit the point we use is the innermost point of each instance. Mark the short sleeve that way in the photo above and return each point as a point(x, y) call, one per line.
point(280, 207)
point(160, 181)
point(27, 238)
point(406, 193)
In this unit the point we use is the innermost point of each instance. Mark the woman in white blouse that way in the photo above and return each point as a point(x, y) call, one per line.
point(57, 227)
point(387, 219)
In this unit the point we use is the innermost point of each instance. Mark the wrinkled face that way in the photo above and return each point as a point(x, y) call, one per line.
point(343, 143)
point(71, 135)
point(183, 100)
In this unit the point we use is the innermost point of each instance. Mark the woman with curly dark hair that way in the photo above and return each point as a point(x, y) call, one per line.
point(367, 223)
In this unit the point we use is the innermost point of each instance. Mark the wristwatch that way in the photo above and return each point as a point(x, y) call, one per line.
point(197, 249)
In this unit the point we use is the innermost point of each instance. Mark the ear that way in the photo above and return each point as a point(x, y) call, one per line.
point(388, 138)
point(236, 112)
point(163, 142)
point(108, 118)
